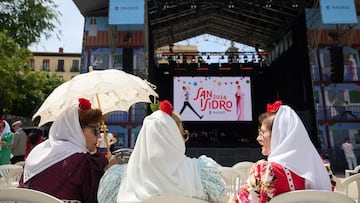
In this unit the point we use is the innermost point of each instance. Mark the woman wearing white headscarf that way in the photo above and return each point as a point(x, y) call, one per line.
point(66, 165)
point(158, 166)
point(6, 139)
point(293, 162)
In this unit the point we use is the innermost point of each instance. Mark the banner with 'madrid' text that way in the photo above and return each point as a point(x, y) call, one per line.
point(126, 12)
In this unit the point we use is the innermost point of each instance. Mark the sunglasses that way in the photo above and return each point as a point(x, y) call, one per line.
point(185, 135)
point(95, 128)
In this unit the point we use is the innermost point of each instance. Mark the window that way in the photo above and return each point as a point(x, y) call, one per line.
point(75, 66)
point(46, 65)
point(138, 112)
point(32, 64)
point(60, 67)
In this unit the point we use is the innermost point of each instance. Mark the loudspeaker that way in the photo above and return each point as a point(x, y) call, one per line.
point(128, 60)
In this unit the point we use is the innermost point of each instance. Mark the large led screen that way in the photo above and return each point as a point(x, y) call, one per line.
point(213, 98)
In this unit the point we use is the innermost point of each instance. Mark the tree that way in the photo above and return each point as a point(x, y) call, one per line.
point(12, 62)
point(26, 20)
point(22, 90)
point(33, 89)
point(22, 22)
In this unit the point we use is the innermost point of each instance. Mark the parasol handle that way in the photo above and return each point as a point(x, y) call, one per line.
point(104, 129)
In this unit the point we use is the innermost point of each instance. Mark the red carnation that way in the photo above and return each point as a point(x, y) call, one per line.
point(1, 121)
point(84, 103)
point(273, 108)
point(166, 106)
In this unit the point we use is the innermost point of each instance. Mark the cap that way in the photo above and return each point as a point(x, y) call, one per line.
point(16, 123)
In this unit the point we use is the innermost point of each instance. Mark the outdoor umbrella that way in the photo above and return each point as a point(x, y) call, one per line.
point(110, 90)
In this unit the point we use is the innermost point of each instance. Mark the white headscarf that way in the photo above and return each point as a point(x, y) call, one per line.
point(292, 148)
point(7, 129)
point(158, 165)
point(65, 138)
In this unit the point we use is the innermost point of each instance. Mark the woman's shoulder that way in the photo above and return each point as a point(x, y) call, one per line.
point(261, 167)
point(7, 136)
point(110, 183)
point(213, 184)
point(116, 169)
point(206, 161)
point(209, 170)
point(261, 164)
point(97, 160)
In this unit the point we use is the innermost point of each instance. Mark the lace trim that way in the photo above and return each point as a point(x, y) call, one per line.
point(289, 179)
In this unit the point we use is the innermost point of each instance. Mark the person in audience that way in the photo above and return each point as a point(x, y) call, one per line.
point(349, 153)
point(158, 165)
point(19, 142)
point(292, 163)
point(66, 165)
point(34, 138)
point(6, 137)
point(102, 146)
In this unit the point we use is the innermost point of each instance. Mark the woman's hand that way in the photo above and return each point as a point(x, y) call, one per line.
point(112, 160)
point(231, 199)
point(5, 143)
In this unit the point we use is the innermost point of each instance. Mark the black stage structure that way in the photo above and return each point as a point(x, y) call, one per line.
point(287, 78)
point(277, 27)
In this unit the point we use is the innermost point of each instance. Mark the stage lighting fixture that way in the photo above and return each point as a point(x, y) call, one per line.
point(253, 58)
point(245, 59)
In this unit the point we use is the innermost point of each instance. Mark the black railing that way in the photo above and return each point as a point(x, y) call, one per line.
point(347, 113)
point(350, 74)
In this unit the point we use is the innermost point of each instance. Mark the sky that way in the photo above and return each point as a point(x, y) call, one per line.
point(72, 26)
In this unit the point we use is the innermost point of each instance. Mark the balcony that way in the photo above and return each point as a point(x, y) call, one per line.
point(350, 75)
point(339, 113)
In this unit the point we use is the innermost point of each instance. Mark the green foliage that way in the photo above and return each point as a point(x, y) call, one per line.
point(27, 20)
point(34, 88)
point(12, 65)
point(23, 22)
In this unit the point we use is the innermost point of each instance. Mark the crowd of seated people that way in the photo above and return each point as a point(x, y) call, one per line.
point(158, 164)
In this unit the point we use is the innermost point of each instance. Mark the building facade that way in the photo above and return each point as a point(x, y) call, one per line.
point(65, 65)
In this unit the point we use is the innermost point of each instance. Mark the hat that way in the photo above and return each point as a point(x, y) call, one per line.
point(16, 123)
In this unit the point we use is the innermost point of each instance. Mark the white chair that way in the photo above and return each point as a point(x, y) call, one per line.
point(123, 155)
point(349, 172)
point(172, 199)
point(6, 168)
point(346, 186)
point(20, 163)
point(26, 196)
point(13, 178)
point(244, 168)
point(233, 179)
point(8, 171)
point(311, 196)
